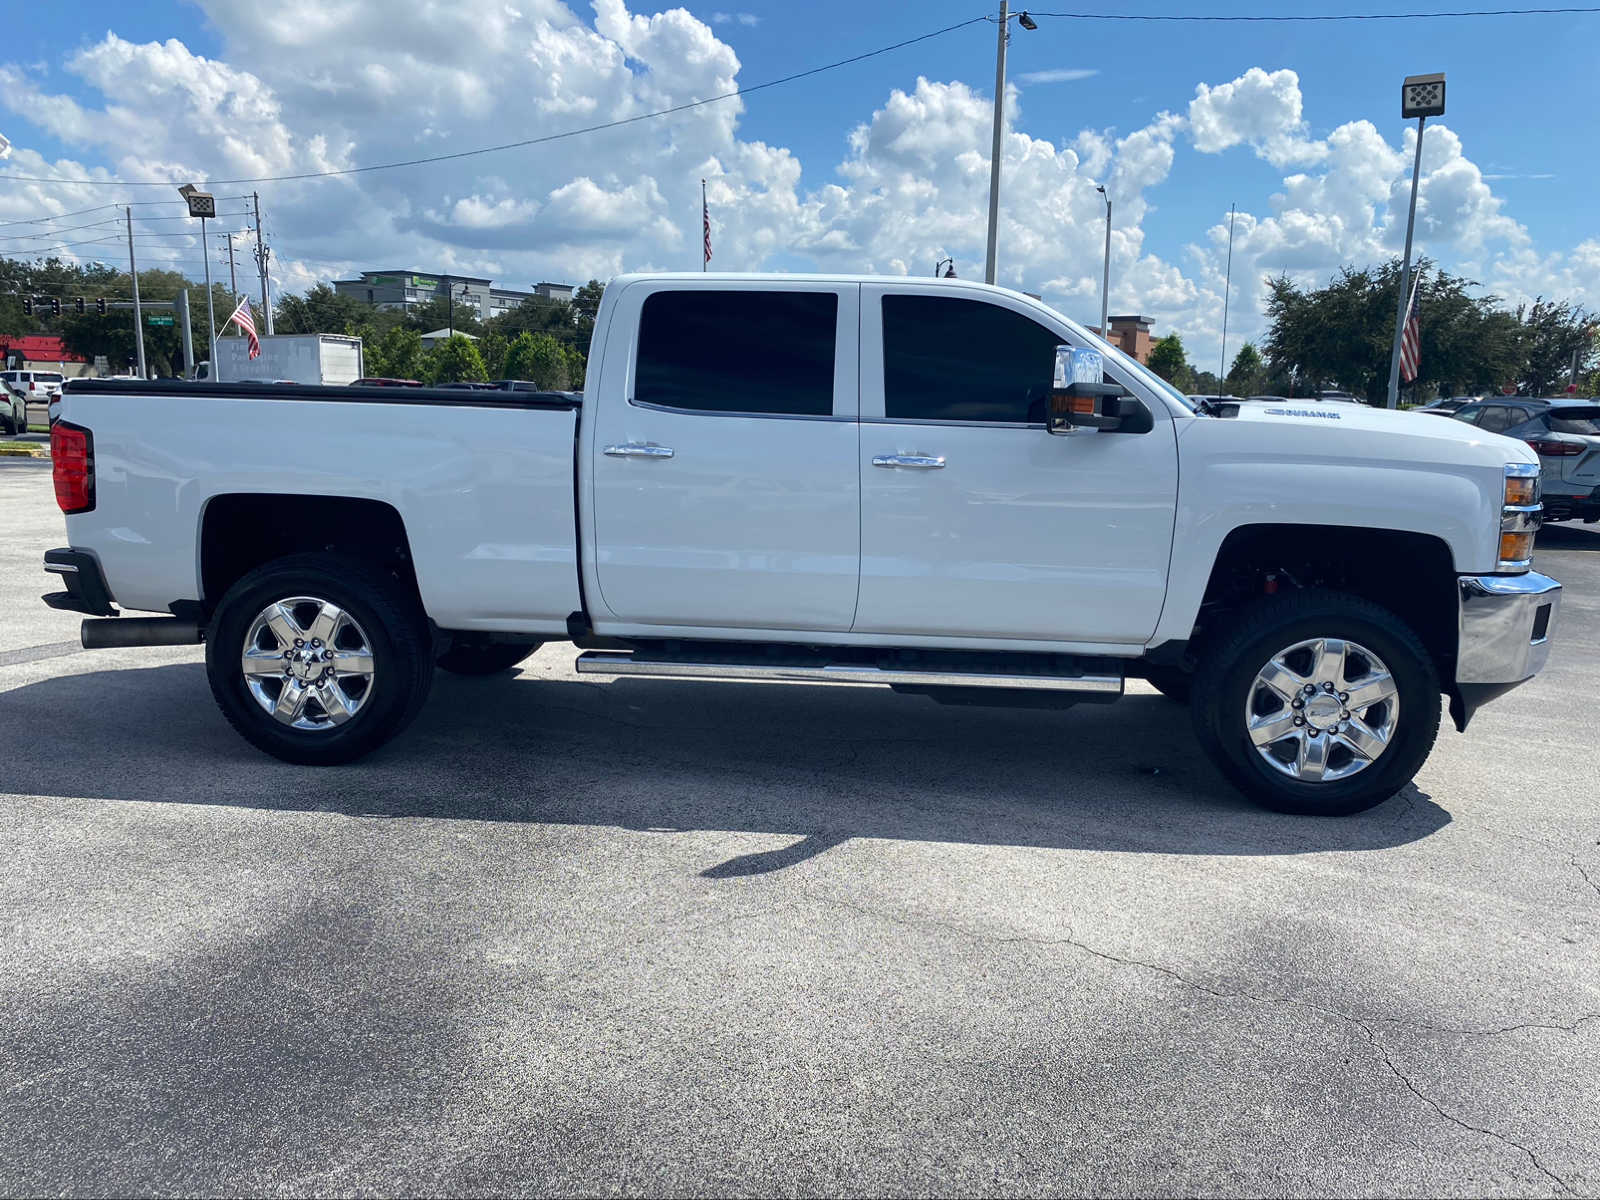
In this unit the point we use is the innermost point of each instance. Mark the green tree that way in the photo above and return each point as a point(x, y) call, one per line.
point(454, 360)
point(1168, 360)
point(396, 354)
point(1244, 377)
point(320, 310)
point(541, 359)
point(1551, 333)
point(492, 346)
point(586, 301)
point(1342, 334)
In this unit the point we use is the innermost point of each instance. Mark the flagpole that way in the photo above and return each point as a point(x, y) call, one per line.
point(705, 229)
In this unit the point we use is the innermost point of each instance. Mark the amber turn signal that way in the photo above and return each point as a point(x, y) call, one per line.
point(1521, 489)
point(1516, 547)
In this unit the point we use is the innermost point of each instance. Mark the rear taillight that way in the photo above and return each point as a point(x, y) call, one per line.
point(72, 455)
point(30, 385)
point(1555, 449)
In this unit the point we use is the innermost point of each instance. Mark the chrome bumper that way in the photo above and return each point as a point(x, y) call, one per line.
point(1505, 626)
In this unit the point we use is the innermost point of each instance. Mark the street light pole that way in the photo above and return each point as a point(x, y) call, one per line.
point(994, 152)
point(1227, 289)
point(1105, 279)
point(1421, 96)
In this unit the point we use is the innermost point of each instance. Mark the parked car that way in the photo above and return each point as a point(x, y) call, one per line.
point(938, 486)
point(470, 385)
point(40, 387)
point(13, 408)
point(1447, 408)
point(1565, 434)
point(531, 388)
point(385, 381)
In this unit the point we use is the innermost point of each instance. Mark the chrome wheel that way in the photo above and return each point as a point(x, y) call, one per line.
point(1322, 710)
point(308, 663)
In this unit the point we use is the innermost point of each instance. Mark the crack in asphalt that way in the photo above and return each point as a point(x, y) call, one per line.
point(1278, 1001)
point(1579, 867)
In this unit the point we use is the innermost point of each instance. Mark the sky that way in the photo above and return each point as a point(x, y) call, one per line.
point(881, 165)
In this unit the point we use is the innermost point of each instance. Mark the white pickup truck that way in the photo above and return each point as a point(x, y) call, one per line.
point(942, 487)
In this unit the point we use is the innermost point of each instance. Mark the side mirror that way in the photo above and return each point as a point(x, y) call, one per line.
point(1081, 399)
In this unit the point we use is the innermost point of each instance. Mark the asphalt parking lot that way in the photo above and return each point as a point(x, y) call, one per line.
point(692, 938)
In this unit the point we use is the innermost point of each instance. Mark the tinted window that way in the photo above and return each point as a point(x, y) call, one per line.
point(763, 352)
point(1500, 417)
point(1585, 426)
point(948, 359)
point(1469, 415)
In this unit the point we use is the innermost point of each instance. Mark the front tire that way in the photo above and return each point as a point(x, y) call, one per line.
point(1319, 703)
point(318, 659)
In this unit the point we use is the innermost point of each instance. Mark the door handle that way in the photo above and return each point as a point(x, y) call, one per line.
point(917, 462)
point(638, 450)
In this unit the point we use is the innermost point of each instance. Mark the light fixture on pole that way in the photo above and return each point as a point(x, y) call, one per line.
point(204, 206)
point(1421, 96)
point(1105, 280)
point(1003, 22)
point(945, 268)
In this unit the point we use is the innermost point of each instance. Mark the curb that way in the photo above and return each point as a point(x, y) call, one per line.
point(20, 452)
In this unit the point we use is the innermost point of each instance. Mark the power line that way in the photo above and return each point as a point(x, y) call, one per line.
point(99, 208)
point(1405, 16)
point(536, 141)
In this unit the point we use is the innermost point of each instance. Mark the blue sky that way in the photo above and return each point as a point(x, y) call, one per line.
point(1539, 168)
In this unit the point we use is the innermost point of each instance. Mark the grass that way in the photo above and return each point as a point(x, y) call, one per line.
point(19, 447)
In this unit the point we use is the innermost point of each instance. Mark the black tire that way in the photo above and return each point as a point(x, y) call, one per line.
point(1172, 682)
point(1226, 683)
point(473, 656)
point(396, 632)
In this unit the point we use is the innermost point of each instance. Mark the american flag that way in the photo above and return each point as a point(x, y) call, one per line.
point(241, 318)
point(705, 222)
point(1411, 339)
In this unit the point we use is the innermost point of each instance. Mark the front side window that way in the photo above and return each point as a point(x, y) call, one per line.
point(946, 358)
point(738, 352)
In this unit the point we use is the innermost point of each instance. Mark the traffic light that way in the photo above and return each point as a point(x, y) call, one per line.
point(100, 306)
point(79, 303)
point(55, 306)
point(27, 305)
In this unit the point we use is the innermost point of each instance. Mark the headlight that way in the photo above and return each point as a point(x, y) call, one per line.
point(1520, 515)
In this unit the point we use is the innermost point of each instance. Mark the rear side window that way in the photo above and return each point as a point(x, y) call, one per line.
point(1499, 417)
point(1583, 426)
point(952, 359)
point(738, 352)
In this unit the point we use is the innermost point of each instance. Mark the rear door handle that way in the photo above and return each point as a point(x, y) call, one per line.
point(916, 462)
point(638, 450)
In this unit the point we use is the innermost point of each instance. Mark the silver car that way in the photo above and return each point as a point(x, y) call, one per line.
point(1565, 434)
point(13, 409)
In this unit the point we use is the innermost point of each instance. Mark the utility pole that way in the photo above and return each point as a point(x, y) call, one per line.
point(233, 276)
point(1105, 280)
point(262, 255)
point(138, 316)
point(181, 306)
point(1227, 287)
point(994, 152)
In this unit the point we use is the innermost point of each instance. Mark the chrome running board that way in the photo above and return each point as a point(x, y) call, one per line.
point(622, 662)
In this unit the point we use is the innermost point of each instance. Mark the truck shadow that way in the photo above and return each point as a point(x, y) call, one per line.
point(824, 764)
point(1565, 536)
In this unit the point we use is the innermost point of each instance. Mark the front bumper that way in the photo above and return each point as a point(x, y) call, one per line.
point(1505, 623)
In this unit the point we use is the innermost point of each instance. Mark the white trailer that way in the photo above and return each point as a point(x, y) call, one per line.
point(326, 359)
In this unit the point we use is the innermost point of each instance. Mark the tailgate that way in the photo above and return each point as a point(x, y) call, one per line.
point(1584, 468)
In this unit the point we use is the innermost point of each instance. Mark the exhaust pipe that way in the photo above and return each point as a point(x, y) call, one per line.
point(112, 633)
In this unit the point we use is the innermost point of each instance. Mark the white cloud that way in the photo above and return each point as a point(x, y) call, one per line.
point(749, 20)
point(912, 185)
point(1059, 75)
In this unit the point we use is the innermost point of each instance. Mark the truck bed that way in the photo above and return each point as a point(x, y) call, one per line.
point(482, 481)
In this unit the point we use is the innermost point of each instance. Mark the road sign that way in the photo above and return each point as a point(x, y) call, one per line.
point(158, 319)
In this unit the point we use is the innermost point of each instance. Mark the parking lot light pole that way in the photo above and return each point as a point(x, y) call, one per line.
point(204, 205)
point(1105, 280)
point(1421, 96)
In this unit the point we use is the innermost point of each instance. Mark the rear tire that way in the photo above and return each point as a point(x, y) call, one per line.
point(1248, 681)
point(469, 655)
point(336, 697)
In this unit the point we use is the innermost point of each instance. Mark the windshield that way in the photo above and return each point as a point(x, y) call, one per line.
point(46, 377)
